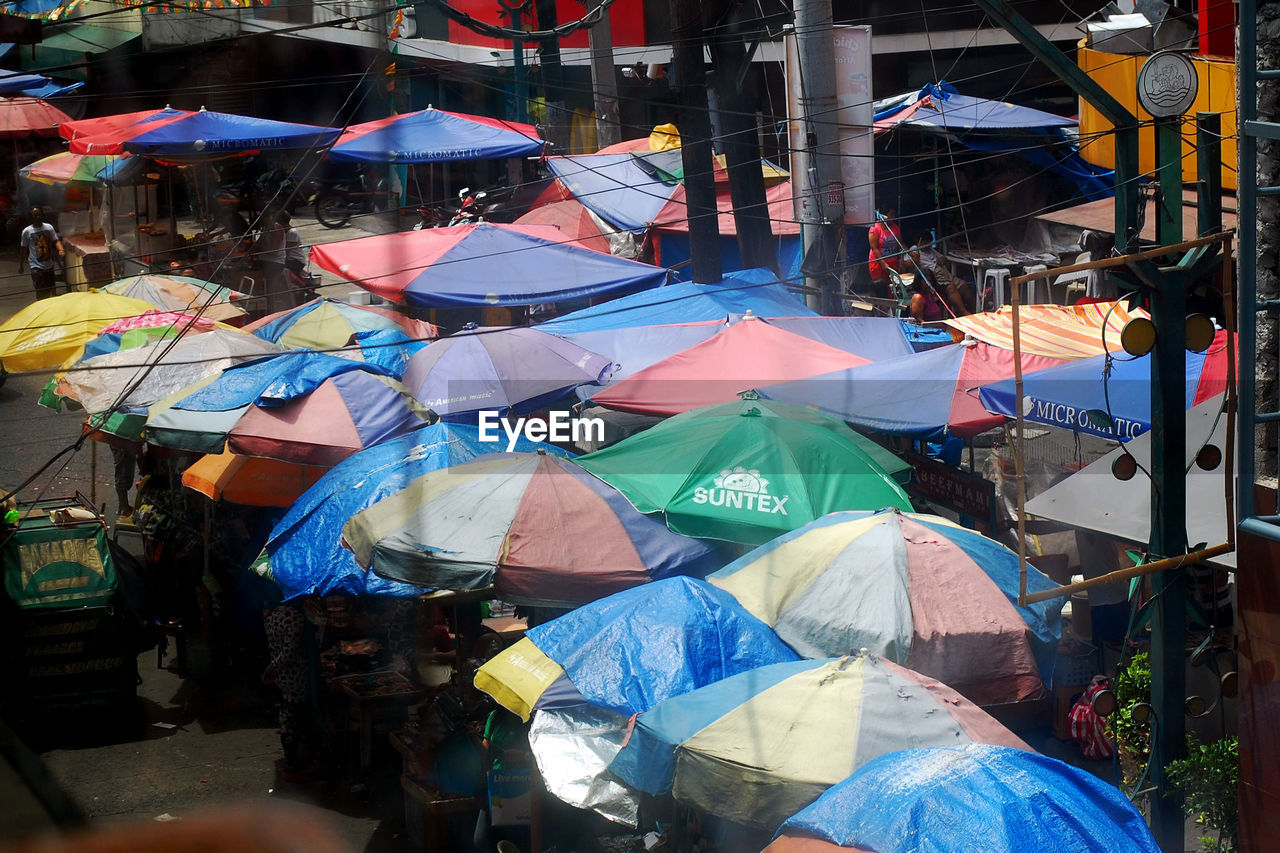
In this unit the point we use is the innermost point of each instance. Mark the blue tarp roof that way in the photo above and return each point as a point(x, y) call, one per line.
point(942, 799)
point(614, 187)
point(947, 109)
point(633, 649)
point(758, 291)
point(208, 133)
point(305, 548)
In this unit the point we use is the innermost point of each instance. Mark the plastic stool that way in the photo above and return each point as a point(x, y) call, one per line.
point(993, 281)
point(1034, 284)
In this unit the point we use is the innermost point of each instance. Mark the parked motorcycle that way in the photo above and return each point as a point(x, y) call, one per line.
point(335, 204)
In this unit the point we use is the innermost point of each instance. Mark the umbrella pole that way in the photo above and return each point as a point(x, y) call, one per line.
point(93, 473)
point(1018, 447)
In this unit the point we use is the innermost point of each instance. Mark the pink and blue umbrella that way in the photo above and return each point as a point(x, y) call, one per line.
point(500, 370)
point(181, 133)
point(482, 265)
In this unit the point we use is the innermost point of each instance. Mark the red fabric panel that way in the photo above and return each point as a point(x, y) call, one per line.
point(1213, 374)
point(797, 844)
point(748, 354)
point(980, 726)
point(589, 554)
point(313, 430)
point(386, 264)
point(107, 134)
point(983, 364)
point(966, 633)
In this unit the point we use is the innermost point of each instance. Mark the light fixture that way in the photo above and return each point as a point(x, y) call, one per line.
point(1200, 332)
point(1138, 336)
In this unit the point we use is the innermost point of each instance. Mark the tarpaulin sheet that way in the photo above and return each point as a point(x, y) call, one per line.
point(271, 381)
point(614, 187)
point(636, 648)
point(755, 290)
point(306, 553)
point(942, 799)
point(941, 106)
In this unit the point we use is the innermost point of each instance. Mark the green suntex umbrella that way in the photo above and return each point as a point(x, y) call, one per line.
point(748, 471)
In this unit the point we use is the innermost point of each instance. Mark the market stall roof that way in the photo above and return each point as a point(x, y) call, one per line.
point(757, 291)
point(615, 187)
point(939, 106)
point(574, 219)
point(1093, 499)
point(673, 217)
point(15, 82)
point(1106, 397)
point(1054, 331)
point(925, 394)
point(1101, 215)
point(484, 264)
point(23, 117)
point(435, 136)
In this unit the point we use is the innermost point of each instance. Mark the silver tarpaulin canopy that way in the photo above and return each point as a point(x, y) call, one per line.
point(1093, 499)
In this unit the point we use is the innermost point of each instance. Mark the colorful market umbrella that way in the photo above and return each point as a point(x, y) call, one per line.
point(945, 799)
point(330, 323)
point(1106, 395)
point(481, 265)
point(927, 394)
point(588, 671)
point(153, 318)
point(1057, 331)
point(916, 589)
point(180, 293)
point(435, 136)
point(202, 134)
point(250, 480)
point(750, 470)
point(152, 372)
point(388, 348)
point(344, 414)
point(745, 355)
point(65, 167)
point(305, 546)
point(49, 331)
point(23, 117)
point(534, 526)
point(758, 746)
point(499, 370)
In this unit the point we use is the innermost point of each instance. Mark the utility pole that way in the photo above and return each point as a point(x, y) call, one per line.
point(689, 70)
point(604, 82)
point(824, 214)
point(741, 143)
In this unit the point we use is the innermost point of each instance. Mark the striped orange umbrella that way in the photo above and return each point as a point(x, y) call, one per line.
point(251, 480)
point(1055, 331)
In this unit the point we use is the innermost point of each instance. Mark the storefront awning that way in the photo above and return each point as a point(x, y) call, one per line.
point(65, 49)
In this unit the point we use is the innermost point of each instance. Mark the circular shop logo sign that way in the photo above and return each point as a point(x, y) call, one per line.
point(1167, 84)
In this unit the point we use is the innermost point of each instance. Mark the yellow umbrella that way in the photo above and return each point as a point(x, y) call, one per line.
point(250, 480)
point(49, 331)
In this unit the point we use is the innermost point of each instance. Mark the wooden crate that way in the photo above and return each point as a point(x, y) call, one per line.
point(434, 825)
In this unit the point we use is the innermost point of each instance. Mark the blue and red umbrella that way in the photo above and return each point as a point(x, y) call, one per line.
point(435, 136)
point(178, 133)
point(485, 264)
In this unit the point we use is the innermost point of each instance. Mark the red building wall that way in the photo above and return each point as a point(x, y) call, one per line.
point(626, 19)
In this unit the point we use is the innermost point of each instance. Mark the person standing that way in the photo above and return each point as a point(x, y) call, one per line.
point(275, 281)
point(39, 242)
point(885, 239)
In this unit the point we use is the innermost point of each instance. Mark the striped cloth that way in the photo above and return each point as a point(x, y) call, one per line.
point(1087, 728)
point(151, 319)
point(1056, 331)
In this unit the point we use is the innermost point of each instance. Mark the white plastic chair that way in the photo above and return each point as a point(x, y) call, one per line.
point(993, 282)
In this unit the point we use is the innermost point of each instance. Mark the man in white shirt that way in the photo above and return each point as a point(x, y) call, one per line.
point(39, 242)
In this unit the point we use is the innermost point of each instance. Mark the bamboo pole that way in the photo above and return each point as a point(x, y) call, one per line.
point(1122, 260)
point(1126, 574)
point(1018, 448)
